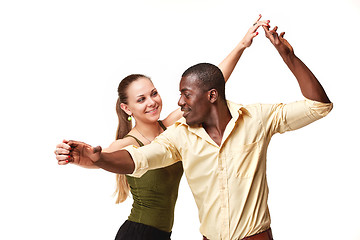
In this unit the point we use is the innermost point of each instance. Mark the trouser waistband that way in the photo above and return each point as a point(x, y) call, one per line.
point(266, 235)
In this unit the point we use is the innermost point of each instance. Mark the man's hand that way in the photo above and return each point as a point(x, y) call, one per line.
point(78, 153)
point(281, 44)
point(83, 154)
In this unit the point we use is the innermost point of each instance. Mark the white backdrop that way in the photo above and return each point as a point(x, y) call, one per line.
point(61, 62)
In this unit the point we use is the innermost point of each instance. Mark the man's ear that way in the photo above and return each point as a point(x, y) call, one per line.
point(125, 108)
point(213, 95)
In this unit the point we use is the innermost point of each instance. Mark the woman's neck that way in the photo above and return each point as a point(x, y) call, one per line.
point(148, 131)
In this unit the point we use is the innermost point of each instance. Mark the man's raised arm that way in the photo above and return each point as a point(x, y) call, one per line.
point(309, 85)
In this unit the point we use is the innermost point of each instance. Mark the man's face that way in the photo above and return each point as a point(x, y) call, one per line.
point(193, 101)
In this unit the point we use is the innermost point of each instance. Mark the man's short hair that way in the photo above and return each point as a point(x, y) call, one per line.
point(209, 77)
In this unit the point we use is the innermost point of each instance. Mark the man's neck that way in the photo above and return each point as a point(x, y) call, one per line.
point(217, 121)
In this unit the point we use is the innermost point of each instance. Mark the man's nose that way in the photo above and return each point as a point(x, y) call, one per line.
point(181, 101)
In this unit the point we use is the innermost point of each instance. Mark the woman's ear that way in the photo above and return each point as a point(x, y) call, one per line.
point(213, 95)
point(125, 108)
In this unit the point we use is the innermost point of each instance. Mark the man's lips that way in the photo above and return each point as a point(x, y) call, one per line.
point(185, 111)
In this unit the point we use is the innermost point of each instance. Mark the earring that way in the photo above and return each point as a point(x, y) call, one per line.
point(129, 118)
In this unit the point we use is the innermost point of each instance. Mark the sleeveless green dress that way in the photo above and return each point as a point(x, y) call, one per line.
point(155, 195)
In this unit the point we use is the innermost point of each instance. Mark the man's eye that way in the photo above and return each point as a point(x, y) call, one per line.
point(154, 93)
point(186, 95)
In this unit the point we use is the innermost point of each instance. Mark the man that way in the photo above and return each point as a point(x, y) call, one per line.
point(222, 146)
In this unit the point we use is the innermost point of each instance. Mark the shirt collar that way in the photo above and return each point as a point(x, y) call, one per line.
point(236, 110)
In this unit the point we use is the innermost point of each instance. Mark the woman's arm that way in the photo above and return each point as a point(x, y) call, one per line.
point(227, 65)
point(120, 144)
point(172, 118)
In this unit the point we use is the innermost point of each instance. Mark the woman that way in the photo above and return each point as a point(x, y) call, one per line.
point(155, 193)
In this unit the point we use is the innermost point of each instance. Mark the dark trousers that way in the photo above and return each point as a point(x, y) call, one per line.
point(138, 231)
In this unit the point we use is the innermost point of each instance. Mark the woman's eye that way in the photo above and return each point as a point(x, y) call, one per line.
point(140, 99)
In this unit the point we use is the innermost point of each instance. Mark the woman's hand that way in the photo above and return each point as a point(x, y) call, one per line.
point(62, 153)
point(252, 32)
point(228, 64)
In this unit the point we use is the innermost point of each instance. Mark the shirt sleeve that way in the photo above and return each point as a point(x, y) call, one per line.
point(159, 153)
point(280, 118)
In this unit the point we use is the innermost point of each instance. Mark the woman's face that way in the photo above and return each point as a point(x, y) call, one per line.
point(144, 101)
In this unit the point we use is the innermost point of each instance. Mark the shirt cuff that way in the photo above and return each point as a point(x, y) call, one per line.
point(319, 108)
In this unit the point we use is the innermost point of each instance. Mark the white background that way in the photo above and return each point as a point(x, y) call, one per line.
point(61, 62)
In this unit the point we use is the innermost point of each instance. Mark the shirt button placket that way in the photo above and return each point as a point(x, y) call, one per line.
point(224, 198)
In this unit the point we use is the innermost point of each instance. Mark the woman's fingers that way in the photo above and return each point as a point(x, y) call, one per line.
point(64, 146)
point(61, 151)
point(63, 162)
point(63, 157)
point(257, 19)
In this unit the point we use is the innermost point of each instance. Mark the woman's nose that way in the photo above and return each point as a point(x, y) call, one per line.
point(150, 102)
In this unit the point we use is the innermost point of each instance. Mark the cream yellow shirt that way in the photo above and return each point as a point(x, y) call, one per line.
point(228, 181)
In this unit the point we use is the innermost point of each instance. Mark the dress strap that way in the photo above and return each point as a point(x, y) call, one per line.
point(162, 125)
point(137, 140)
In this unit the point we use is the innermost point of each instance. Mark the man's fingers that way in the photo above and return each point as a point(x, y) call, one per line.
point(73, 143)
point(275, 29)
point(97, 149)
point(267, 31)
point(282, 34)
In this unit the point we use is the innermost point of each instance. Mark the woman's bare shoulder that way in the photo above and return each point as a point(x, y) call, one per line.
point(121, 143)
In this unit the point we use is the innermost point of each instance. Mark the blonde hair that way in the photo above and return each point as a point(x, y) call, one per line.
point(122, 186)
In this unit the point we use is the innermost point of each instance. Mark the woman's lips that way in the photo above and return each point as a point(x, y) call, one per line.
point(152, 110)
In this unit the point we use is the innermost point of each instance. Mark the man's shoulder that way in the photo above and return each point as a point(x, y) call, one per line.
point(245, 108)
point(179, 125)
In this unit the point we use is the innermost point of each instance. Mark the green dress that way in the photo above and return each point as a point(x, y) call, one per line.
point(155, 195)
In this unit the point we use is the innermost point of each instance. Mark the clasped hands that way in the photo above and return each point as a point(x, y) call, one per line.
point(78, 153)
